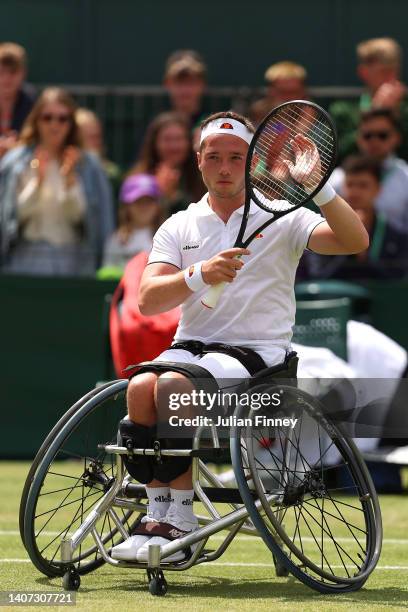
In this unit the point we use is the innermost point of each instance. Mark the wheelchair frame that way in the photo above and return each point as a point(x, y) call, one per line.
point(246, 519)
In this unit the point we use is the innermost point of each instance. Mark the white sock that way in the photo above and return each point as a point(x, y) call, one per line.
point(159, 502)
point(181, 509)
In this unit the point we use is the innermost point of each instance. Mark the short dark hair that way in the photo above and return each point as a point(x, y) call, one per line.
point(354, 164)
point(381, 113)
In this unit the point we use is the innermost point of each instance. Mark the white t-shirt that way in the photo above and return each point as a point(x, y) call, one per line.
point(258, 308)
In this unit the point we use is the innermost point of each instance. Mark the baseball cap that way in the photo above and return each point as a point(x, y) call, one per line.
point(138, 186)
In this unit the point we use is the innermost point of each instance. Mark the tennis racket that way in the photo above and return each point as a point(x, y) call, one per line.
point(295, 143)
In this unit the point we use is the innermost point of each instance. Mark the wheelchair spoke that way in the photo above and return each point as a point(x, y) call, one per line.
point(60, 490)
point(349, 528)
point(65, 531)
point(64, 505)
point(339, 501)
point(56, 509)
point(339, 518)
point(316, 541)
point(332, 539)
point(330, 535)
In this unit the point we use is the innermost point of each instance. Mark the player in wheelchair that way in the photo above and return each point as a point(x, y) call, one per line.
point(82, 502)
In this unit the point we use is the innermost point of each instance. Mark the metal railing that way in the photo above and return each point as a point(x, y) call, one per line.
point(126, 110)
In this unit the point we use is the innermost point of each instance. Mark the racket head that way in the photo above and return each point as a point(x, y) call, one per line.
point(268, 181)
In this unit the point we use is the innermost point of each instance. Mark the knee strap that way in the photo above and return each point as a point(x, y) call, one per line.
point(171, 467)
point(138, 436)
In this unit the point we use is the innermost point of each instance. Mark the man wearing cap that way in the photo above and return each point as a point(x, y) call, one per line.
point(251, 327)
point(185, 80)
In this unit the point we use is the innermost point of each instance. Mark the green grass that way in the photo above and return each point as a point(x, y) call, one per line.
point(227, 584)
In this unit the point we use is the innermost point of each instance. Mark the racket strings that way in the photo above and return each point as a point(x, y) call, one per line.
point(277, 186)
point(324, 140)
point(313, 125)
point(325, 151)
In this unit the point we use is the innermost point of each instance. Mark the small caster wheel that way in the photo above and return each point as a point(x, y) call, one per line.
point(280, 569)
point(71, 580)
point(158, 586)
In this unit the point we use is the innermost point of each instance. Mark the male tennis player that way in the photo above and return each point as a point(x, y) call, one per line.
point(256, 312)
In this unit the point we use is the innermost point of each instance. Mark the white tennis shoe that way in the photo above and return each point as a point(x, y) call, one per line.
point(169, 529)
point(127, 550)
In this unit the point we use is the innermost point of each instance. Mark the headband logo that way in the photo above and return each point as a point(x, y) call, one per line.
point(226, 126)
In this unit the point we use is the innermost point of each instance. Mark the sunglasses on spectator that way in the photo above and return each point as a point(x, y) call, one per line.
point(380, 135)
point(49, 117)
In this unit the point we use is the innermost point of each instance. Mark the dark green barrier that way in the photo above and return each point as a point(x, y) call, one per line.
point(54, 349)
point(53, 352)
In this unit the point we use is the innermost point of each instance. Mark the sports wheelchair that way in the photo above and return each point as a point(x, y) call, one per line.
point(305, 491)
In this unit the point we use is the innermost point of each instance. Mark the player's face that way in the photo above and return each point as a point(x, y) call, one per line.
point(360, 190)
point(222, 164)
point(378, 138)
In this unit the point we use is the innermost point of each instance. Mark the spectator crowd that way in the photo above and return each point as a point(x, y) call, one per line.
point(67, 209)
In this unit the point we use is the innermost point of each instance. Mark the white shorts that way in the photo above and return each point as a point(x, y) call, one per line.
point(218, 364)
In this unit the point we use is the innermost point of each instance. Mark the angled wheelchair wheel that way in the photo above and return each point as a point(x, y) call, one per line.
point(309, 493)
point(69, 476)
point(44, 447)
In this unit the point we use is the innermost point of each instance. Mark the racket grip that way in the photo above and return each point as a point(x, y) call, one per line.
point(210, 299)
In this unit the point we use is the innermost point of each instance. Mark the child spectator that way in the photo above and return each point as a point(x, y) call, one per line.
point(16, 97)
point(378, 136)
point(379, 67)
point(139, 213)
point(168, 153)
point(55, 205)
point(92, 141)
point(387, 255)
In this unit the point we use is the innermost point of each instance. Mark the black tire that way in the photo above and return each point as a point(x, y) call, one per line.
point(71, 581)
point(70, 465)
point(278, 462)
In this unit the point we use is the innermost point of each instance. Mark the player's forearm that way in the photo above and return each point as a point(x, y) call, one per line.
point(162, 293)
point(346, 225)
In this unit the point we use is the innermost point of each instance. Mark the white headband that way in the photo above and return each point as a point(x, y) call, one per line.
point(225, 125)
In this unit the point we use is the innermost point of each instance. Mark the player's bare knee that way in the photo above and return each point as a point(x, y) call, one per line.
point(169, 386)
point(140, 398)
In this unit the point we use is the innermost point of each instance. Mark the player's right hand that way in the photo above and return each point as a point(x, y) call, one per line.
point(223, 267)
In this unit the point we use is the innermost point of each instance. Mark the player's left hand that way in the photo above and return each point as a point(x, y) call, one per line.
point(306, 169)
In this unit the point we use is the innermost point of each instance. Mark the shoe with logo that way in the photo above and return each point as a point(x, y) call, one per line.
point(127, 550)
point(169, 528)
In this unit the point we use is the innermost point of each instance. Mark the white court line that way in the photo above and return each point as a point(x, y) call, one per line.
point(242, 538)
point(378, 567)
point(269, 565)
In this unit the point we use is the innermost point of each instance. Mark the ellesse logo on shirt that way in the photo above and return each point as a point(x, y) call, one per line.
point(188, 247)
